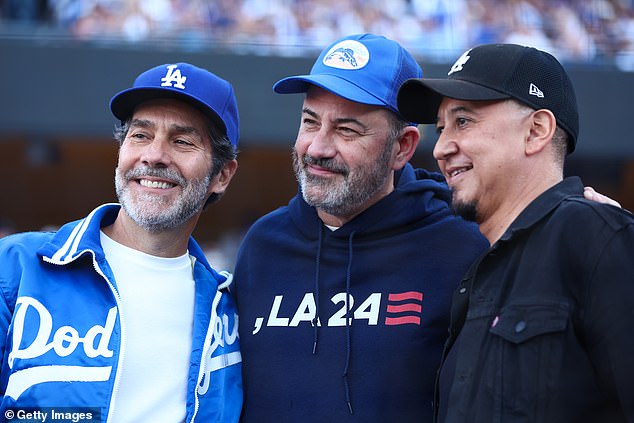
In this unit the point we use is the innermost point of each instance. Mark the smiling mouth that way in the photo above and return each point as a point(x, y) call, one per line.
point(321, 171)
point(156, 184)
point(455, 172)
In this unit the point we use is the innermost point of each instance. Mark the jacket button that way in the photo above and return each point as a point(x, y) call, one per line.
point(520, 326)
point(462, 290)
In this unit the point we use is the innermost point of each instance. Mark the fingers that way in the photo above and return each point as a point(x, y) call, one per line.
point(590, 194)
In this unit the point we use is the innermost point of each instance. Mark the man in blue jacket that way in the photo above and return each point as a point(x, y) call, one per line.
point(118, 315)
point(540, 324)
point(344, 293)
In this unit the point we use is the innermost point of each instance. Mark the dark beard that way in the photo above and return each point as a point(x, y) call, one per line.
point(467, 211)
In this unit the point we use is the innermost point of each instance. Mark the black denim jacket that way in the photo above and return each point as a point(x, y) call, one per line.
point(545, 319)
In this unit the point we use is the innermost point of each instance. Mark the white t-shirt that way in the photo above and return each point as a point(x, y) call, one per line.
point(157, 309)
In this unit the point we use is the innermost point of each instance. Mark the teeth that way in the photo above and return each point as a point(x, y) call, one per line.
point(458, 171)
point(155, 184)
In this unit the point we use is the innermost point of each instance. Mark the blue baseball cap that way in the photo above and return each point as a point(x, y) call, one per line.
point(212, 95)
point(364, 68)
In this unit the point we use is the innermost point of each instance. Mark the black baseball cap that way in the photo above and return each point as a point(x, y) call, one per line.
point(497, 72)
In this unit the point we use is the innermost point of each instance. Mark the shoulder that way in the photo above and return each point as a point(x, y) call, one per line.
point(456, 228)
point(23, 243)
point(587, 231)
point(17, 253)
point(579, 211)
point(273, 222)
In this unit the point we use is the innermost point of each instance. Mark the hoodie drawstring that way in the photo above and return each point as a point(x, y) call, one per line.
point(316, 318)
point(348, 324)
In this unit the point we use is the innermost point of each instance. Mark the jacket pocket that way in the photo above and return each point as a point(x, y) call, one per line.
point(519, 323)
point(529, 352)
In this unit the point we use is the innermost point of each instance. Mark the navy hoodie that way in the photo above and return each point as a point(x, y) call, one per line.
point(399, 261)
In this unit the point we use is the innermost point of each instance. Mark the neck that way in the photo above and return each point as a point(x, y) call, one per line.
point(494, 225)
point(340, 220)
point(169, 243)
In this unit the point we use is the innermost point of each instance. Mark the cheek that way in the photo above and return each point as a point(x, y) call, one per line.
point(301, 144)
point(441, 166)
point(125, 159)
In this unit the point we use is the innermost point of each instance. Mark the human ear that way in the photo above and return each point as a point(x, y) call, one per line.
point(407, 143)
point(222, 179)
point(542, 128)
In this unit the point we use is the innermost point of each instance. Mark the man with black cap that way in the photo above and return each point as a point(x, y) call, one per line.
point(540, 324)
point(119, 316)
point(344, 294)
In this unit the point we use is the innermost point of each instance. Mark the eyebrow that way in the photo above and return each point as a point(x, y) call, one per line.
point(338, 121)
point(457, 109)
point(461, 108)
point(181, 129)
point(141, 123)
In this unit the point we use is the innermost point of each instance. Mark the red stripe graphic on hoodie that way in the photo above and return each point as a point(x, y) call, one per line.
point(401, 305)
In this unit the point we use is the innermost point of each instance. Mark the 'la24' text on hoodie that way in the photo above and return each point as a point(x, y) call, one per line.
point(311, 356)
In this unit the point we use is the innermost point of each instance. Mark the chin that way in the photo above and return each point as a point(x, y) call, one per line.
point(464, 208)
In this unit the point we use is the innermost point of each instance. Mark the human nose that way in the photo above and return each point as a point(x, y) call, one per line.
point(156, 153)
point(444, 147)
point(321, 145)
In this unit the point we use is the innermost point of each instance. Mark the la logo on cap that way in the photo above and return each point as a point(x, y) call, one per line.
point(173, 76)
point(348, 54)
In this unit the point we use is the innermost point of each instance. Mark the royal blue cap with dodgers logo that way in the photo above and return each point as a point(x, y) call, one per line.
point(212, 95)
point(364, 68)
point(497, 72)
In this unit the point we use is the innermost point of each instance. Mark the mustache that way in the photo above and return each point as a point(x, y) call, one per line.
point(328, 164)
point(171, 175)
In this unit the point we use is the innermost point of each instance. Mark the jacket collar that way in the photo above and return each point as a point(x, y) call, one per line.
point(75, 238)
point(544, 204)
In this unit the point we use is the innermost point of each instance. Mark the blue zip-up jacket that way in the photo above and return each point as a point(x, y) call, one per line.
point(64, 336)
point(398, 262)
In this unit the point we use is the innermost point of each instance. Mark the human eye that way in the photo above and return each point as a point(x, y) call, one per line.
point(462, 121)
point(183, 142)
point(138, 136)
point(347, 131)
point(309, 122)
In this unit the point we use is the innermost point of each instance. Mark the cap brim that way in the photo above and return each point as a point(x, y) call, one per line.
point(332, 83)
point(418, 99)
point(124, 103)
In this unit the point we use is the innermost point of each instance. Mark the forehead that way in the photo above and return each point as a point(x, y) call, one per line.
point(449, 106)
point(321, 100)
point(171, 111)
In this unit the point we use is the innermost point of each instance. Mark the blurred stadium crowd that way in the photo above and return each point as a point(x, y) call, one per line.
point(587, 31)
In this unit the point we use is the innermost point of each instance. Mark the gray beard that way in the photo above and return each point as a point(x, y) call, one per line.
point(341, 198)
point(154, 213)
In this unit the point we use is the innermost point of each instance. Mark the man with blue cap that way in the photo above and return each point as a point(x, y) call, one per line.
point(344, 293)
point(119, 316)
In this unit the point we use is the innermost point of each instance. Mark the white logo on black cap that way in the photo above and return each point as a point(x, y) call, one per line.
point(457, 67)
point(533, 90)
point(173, 76)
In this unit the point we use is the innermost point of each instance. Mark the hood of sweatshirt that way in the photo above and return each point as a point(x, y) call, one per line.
point(417, 193)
